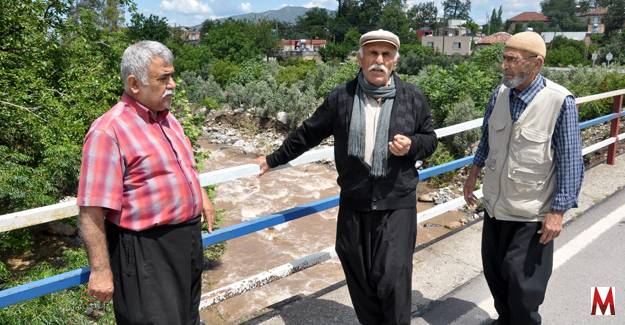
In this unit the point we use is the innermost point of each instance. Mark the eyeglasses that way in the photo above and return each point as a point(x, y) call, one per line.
point(515, 60)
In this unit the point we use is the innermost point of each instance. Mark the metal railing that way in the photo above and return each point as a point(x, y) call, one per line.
point(68, 209)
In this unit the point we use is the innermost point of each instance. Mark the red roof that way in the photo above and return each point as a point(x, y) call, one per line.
point(529, 16)
point(500, 37)
point(599, 11)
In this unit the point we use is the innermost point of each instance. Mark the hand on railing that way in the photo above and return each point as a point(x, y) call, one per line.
point(262, 163)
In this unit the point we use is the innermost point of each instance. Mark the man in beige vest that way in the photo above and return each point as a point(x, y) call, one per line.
point(531, 149)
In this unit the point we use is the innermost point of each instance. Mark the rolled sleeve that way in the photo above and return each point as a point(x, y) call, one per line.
point(101, 172)
point(568, 155)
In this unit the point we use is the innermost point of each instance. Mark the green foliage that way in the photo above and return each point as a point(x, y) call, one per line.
point(444, 87)
point(347, 71)
point(152, 28)
point(616, 46)
point(465, 110)
point(57, 76)
point(314, 24)
point(200, 90)
point(238, 41)
point(191, 57)
point(414, 57)
point(457, 9)
point(61, 307)
point(334, 52)
point(352, 38)
point(423, 14)
point(250, 70)
point(562, 15)
point(225, 71)
point(584, 82)
point(394, 19)
point(296, 71)
point(566, 52)
point(615, 17)
point(441, 155)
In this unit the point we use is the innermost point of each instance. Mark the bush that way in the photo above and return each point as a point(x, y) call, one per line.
point(201, 91)
point(584, 82)
point(347, 71)
point(296, 71)
point(465, 110)
point(441, 155)
point(225, 71)
point(566, 52)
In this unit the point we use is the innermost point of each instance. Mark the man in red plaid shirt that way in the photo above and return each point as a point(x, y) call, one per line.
point(140, 199)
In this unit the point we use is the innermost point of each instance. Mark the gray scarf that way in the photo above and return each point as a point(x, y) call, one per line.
point(356, 141)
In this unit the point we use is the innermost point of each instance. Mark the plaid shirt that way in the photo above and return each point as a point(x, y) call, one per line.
point(566, 142)
point(139, 165)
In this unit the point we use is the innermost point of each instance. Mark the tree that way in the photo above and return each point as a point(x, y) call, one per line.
point(231, 40)
point(472, 26)
point(495, 22)
point(423, 14)
point(109, 13)
point(369, 15)
point(314, 24)
point(352, 39)
point(561, 14)
point(457, 9)
point(152, 28)
point(394, 19)
point(565, 52)
point(615, 18)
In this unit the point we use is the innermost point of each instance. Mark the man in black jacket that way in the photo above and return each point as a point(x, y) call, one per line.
point(381, 127)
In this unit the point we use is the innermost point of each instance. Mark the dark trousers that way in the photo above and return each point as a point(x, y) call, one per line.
point(517, 268)
point(157, 274)
point(375, 249)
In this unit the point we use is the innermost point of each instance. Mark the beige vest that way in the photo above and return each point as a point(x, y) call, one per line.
point(519, 173)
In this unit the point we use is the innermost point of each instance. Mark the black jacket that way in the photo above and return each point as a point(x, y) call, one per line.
point(410, 117)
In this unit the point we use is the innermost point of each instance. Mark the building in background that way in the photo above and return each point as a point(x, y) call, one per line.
point(522, 21)
point(307, 49)
point(594, 20)
point(500, 37)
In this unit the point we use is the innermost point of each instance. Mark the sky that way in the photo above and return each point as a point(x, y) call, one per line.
point(194, 12)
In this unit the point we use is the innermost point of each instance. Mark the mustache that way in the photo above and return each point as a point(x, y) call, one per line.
point(168, 92)
point(376, 66)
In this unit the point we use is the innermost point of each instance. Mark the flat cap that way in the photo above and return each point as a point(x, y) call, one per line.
point(528, 41)
point(379, 35)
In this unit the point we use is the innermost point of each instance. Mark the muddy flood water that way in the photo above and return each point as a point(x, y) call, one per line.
point(252, 197)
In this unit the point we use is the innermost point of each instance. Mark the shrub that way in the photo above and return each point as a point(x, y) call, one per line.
point(201, 90)
point(465, 110)
point(441, 155)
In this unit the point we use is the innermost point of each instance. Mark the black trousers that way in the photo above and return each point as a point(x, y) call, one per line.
point(375, 249)
point(517, 268)
point(157, 274)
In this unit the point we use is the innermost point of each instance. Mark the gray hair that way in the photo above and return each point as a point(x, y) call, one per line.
point(361, 54)
point(138, 57)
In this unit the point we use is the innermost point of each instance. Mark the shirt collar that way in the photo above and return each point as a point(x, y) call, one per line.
point(145, 113)
point(527, 94)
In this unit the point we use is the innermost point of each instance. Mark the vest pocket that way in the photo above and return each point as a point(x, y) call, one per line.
point(530, 149)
